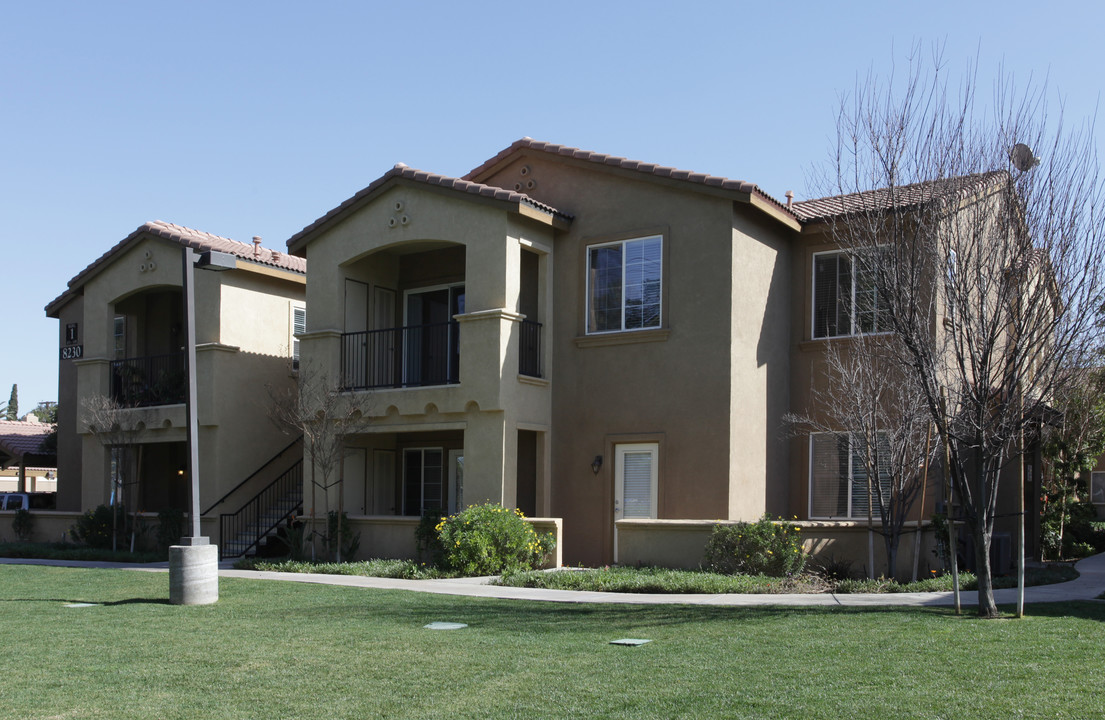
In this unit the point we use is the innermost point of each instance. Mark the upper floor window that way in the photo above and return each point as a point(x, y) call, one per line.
point(299, 326)
point(845, 298)
point(623, 285)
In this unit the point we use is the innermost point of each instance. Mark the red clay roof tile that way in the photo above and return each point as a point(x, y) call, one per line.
point(421, 176)
point(903, 197)
point(528, 143)
point(185, 236)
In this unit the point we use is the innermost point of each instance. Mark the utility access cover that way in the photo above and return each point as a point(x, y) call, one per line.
point(444, 626)
point(632, 642)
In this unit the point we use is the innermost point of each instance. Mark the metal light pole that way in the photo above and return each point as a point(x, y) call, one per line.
point(194, 563)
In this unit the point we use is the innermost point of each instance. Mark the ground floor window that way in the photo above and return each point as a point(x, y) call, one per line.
point(423, 480)
point(838, 476)
point(1097, 488)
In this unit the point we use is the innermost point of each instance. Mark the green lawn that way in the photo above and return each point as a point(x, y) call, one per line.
point(289, 650)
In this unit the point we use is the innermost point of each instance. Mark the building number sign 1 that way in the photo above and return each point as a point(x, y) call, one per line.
point(71, 350)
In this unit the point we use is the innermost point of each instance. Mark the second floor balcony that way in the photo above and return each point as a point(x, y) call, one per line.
point(419, 356)
point(412, 356)
point(148, 381)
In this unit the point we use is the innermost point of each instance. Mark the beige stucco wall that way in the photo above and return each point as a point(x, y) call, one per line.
point(682, 543)
point(461, 238)
point(394, 536)
point(676, 386)
point(243, 333)
point(69, 452)
point(759, 457)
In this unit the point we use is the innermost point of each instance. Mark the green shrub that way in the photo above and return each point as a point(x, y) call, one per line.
point(491, 540)
point(23, 524)
point(170, 528)
point(350, 542)
point(430, 551)
point(93, 528)
point(765, 547)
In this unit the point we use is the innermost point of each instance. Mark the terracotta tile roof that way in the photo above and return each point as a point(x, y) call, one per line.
point(185, 236)
point(400, 170)
point(528, 143)
point(903, 197)
point(18, 437)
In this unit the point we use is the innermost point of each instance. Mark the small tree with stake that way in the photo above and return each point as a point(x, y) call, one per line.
point(870, 410)
point(989, 271)
point(326, 418)
point(118, 429)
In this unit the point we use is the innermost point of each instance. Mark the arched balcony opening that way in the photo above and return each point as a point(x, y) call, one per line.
point(400, 305)
point(147, 365)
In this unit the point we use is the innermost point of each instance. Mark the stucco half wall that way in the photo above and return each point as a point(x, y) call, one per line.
point(682, 544)
point(392, 536)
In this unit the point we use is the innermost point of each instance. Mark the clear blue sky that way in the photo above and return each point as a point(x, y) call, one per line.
point(254, 118)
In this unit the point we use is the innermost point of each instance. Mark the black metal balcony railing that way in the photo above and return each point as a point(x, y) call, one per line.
point(413, 356)
point(151, 380)
point(529, 349)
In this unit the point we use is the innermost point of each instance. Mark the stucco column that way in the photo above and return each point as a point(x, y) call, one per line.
point(490, 459)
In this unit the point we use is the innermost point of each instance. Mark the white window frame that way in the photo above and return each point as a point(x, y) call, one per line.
point(1097, 487)
point(296, 309)
point(852, 331)
point(850, 480)
point(422, 478)
point(589, 292)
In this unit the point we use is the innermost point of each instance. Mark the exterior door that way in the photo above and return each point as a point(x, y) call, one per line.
point(431, 344)
point(354, 481)
point(355, 341)
point(635, 474)
point(383, 483)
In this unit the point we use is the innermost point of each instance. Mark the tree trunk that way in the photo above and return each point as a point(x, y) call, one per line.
point(987, 608)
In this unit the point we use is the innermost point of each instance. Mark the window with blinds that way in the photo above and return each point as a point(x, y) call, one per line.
point(845, 298)
point(838, 475)
point(299, 326)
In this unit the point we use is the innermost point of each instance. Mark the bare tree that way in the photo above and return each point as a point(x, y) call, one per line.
point(871, 411)
point(986, 266)
point(326, 417)
point(118, 429)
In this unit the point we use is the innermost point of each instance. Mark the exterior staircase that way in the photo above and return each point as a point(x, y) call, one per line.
point(243, 532)
point(279, 499)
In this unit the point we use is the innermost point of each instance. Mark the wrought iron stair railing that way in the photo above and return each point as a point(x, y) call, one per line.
point(241, 532)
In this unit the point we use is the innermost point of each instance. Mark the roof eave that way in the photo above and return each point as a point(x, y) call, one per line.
point(297, 244)
point(713, 186)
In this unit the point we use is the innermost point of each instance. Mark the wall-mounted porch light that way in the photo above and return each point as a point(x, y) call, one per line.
point(596, 464)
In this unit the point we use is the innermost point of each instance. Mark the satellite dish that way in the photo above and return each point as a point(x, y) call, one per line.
point(1022, 157)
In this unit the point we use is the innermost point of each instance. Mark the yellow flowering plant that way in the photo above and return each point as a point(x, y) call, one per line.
point(765, 547)
point(490, 539)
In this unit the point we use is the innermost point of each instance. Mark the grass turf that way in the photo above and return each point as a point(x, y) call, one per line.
point(271, 649)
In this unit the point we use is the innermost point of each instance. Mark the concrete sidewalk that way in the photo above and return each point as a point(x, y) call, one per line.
point(1089, 585)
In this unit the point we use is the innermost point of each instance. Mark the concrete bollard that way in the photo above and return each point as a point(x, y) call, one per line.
point(193, 574)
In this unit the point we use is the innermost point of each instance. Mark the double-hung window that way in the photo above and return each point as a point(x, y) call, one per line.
point(623, 285)
point(845, 298)
point(838, 475)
